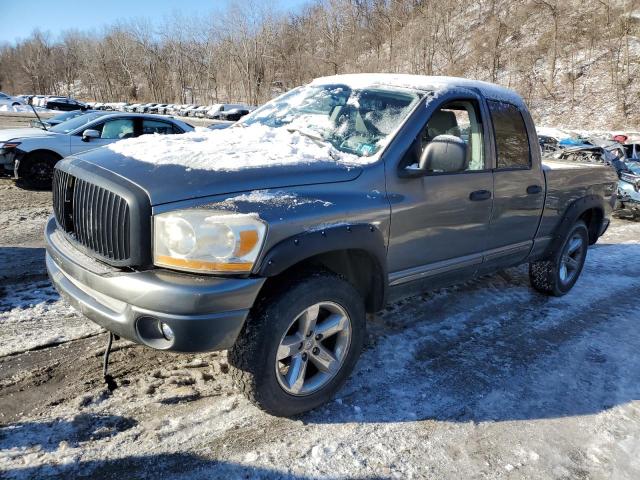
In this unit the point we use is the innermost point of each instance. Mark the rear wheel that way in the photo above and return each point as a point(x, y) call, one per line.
point(558, 274)
point(300, 345)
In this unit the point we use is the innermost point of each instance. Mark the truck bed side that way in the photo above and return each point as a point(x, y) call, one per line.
point(568, 182)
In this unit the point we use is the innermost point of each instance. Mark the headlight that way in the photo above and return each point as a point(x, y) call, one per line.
point(207, 241)
point(8, 146)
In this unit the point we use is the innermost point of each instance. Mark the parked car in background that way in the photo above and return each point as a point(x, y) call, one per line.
point(132, 107)
point(221, 258)
point(166, 109)
point(186, 111)
point(221, 107)
point(232, 115)
point(31, 153)
point(145, 107)
point(156, 108)
point(9, 100)
point(201, 112)
point(47, 123)
point(65, 104)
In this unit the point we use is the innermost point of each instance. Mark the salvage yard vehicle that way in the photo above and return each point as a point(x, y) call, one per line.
point(31, 153)
point(232, 115)
point(629, 189)
point(273, 238)
point(10, 101)
point(65, 104)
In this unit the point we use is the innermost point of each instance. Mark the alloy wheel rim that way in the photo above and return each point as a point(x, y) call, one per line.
point(571, 258)
point(313, 349)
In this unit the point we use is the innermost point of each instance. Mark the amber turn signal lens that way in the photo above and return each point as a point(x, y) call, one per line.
point(201, 266)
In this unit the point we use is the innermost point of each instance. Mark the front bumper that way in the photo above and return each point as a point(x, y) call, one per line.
point(205, 313)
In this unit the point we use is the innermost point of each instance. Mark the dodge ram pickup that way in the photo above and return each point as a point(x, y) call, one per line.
point(276, 237)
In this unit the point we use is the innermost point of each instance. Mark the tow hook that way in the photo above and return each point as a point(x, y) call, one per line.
point(108, 379)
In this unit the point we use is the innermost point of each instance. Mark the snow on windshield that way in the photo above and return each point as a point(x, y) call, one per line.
point(231, 149)
point(305, 125)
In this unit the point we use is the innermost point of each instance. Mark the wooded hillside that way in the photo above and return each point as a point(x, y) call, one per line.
point(575, 62)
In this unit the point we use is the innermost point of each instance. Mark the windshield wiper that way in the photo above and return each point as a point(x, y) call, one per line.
point(316, 138)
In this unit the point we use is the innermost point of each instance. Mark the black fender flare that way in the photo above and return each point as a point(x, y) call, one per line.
point(571, 215)
point(339, 238)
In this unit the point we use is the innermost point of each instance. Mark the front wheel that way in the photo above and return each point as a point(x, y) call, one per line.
point(559, 273)
point(300, 344)
point(36, 170)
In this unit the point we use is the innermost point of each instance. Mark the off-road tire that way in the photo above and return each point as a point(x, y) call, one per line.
point(544, 275)
point(253, 356)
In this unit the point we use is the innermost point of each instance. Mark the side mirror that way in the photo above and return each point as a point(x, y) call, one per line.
point(444, 154)
point(89, 134)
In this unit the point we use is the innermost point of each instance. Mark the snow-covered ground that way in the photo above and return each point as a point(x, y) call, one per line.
point(483, 380)
point(23, 108)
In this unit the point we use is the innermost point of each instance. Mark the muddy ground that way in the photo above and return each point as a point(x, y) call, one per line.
point(483, 380)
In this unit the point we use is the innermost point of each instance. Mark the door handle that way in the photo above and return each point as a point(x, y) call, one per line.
point(479, 195)
point(533, 189)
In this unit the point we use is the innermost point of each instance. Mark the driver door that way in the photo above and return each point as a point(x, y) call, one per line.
point(110, 131)
point(440, 221)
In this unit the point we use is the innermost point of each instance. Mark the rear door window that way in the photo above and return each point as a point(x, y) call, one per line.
point(512, 141)
point(155, 126)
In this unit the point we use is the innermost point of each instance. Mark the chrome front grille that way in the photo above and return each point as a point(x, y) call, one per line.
point(93, 216)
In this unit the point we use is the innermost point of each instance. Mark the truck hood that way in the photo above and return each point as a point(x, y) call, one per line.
point(15, 133)
point(172, 183)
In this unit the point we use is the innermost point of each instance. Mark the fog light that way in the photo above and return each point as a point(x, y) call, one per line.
point(167, 333)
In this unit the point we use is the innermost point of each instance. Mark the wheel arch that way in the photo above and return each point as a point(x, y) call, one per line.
point(26, 157)
point(354, 252)
point(589, 209)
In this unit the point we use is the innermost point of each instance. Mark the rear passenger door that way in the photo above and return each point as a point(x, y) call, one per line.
point(518, 185)
point(158, 126)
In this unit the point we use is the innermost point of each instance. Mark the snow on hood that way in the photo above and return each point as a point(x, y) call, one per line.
point(233, 149)
point(14, 133)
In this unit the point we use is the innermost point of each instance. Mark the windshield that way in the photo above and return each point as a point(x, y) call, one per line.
point(357, 121)
point(74, 123)
point(66, 116)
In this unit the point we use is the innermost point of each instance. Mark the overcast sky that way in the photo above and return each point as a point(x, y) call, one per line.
point(20, 17)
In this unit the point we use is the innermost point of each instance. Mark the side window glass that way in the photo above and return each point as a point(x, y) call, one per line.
point(154, 126)
point(460, 119)
point(117, 129)
point(512, 141)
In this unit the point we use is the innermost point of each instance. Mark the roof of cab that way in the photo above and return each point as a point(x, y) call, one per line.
point(420, 82)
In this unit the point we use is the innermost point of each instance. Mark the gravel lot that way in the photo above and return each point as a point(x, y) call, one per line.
point(483, 380)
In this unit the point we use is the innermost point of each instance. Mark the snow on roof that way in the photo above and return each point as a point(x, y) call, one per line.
point(419, 82)
point(233, 149)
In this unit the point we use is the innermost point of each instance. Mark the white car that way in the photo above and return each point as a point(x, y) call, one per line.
point(31, 153)
point(9, 100)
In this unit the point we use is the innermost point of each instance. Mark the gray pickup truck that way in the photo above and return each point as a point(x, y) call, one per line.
point(274, 238)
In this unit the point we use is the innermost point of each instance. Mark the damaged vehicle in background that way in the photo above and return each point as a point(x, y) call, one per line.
point(623, 158)
point(30, 154)
point(273, 238)
point(629, 190)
